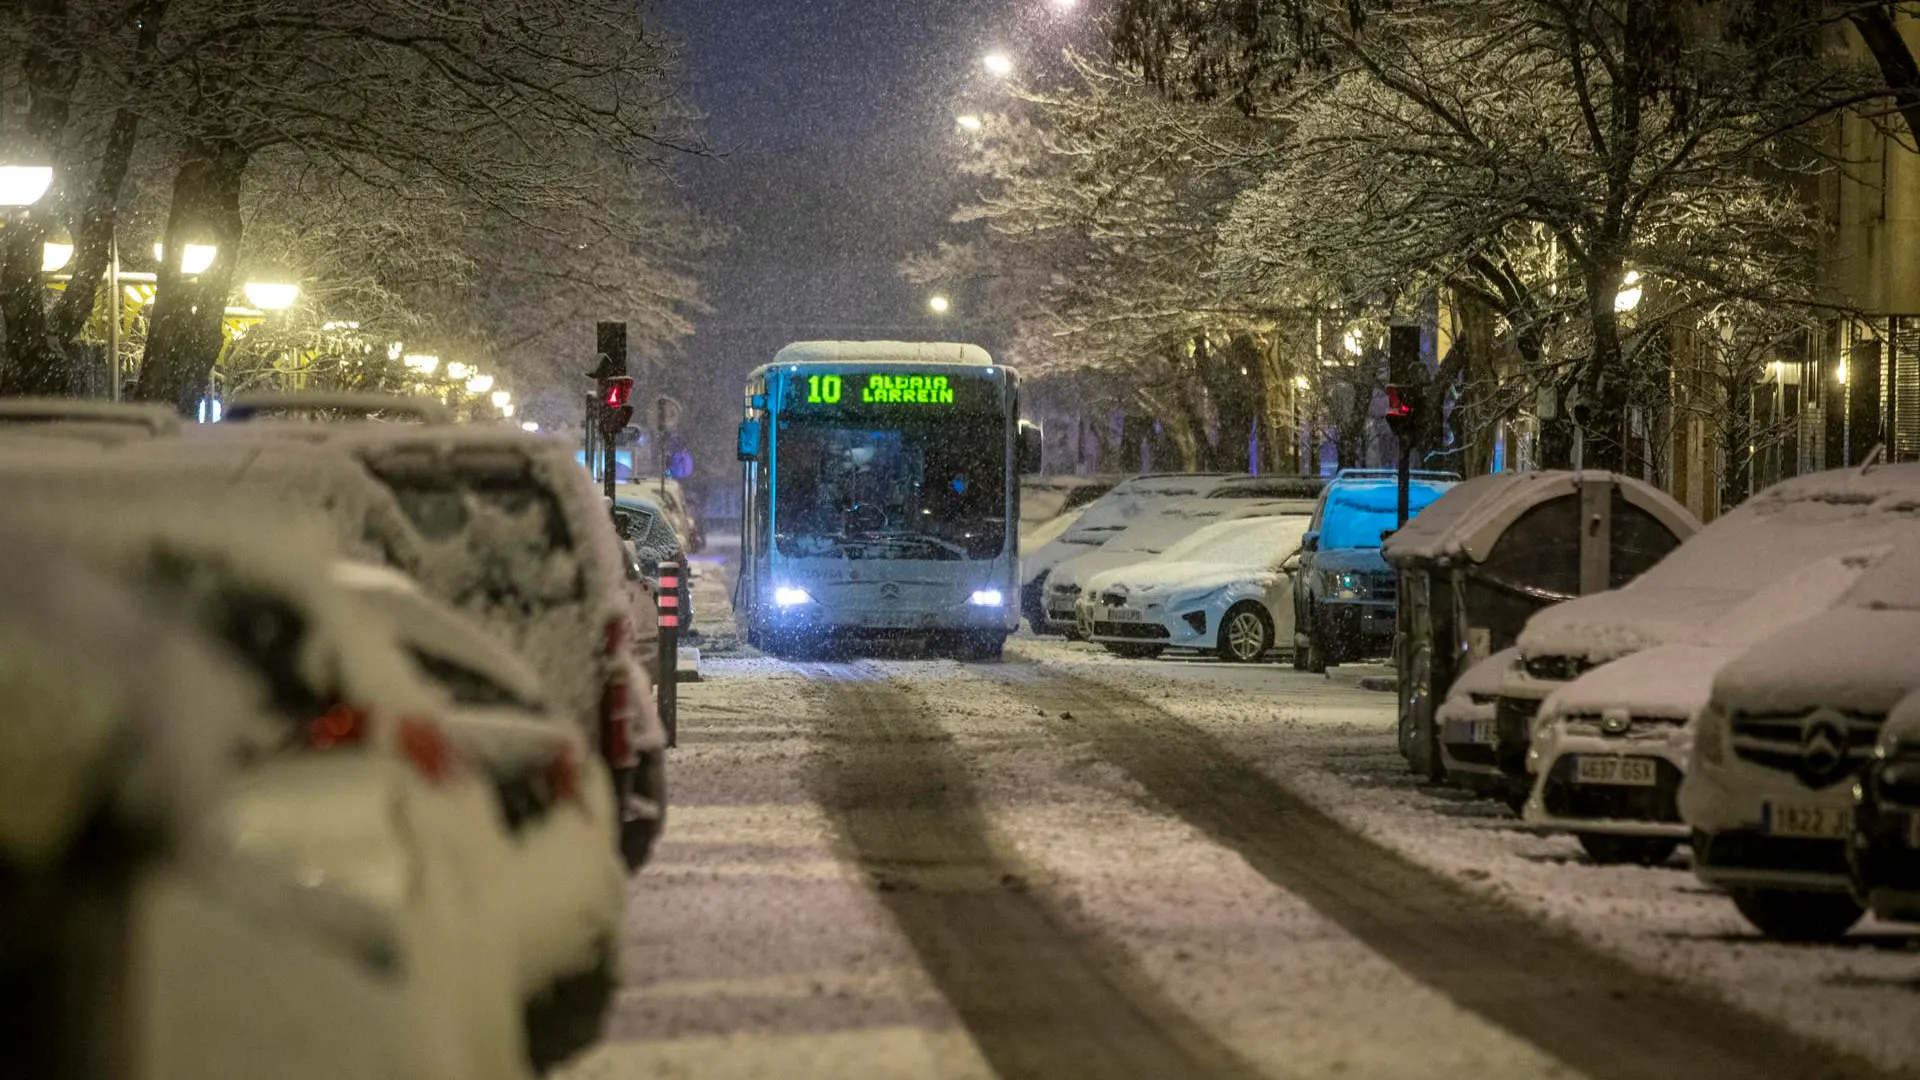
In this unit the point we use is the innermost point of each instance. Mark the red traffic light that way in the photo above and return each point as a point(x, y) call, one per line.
point(1399, 403)
point(619, 389)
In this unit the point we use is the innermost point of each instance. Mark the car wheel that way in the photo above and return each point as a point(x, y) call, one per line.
point(1609, 850)
point(1133, 652)
point(1245, 634)
point(642, 792)
point(1798, 916)
point(569, 1016)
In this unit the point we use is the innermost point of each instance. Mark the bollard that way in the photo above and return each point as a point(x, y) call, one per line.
point(668, 684)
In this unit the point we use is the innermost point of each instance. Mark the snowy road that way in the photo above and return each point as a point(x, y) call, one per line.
point(1069, 866)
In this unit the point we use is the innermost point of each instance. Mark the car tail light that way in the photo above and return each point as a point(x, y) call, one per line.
point(616, 722)
point(426, 748)
point(563, 778)
point(340, 725)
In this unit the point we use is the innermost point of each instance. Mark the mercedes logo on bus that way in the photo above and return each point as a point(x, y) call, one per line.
point(1823, 749)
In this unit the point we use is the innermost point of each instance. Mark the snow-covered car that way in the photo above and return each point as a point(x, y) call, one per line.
point(1610, 748)
point(1222, 590)
point(1790, 725)
point(410, 765)
point(129, 922)
point(1465, 721)
point(1127, 502)
point(1043, 498)
point(57, 416)
point(642, 524)
point(1790, 525)
point(1159, 528)
point(1884, 849)
point(670, 500)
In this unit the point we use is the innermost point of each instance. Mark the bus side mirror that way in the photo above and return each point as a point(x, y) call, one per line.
point(1028, 445)
point(749, 441)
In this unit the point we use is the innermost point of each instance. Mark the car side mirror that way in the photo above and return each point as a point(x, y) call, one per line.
point(1029, 445)
point(1310, 542)
point(748, 448)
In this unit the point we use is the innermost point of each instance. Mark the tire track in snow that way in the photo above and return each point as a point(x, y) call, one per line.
point(1039, 999)
point(1593, 1012)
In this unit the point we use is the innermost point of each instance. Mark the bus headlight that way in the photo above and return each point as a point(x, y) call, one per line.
point(986, 598)
point(787, 596)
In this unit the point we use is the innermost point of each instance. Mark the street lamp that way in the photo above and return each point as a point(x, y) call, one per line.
point(939, 305)
point(194, 258)
point(458, 371)
point(998, 63)
point(1628, 297)
point(270, 295)
point(501, 399)
point(507, 410)
point(424, 363)
point(22, 185)
point(479, 384)
point(529, 427)
point(968, 121)
point(56, 252)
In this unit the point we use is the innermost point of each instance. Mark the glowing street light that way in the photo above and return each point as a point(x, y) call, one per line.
point(479, 384)
point(458, 371)
point(507, 410)
point(998, 63)
point(968, 121)
point(502, 399)
point(529, 427)
point(56, 253)
point(270, 295)
point(939, 305)
point(194, 258)
point(1628, 298)
point(424, 363)
point(22, 185)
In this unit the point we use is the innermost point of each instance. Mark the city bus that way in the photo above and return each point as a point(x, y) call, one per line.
point(881, 498)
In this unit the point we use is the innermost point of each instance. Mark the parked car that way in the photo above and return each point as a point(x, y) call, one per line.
point(1128, 501)
point(1466, 725)
point(1162, 526)
point(644, 525)
point(1789, 730)
point(1344, 594)
point(1043, 498)
point(408, 763)
point(1783, 529)
point(1223, 590)
point(671, 500)
point(131, 420)
point(129, 923)
point(1269, 486)
point(1610, 748)
point(1884, 848)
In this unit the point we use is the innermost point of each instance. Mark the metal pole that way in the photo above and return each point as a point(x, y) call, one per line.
point(113, 313)
point(668, 688)
point(1404, 479)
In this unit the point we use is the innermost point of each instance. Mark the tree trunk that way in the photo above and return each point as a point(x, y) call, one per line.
point(33, 365)
point(1896, 62)
point(184, 335)
point(1605, 386)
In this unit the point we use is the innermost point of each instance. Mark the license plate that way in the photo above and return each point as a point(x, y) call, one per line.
point(1630, 772)
point(1808, 821)
point(1476, 732)
point(1121, 614)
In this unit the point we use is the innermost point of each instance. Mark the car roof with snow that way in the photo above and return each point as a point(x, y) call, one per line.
point(1472, 516)
point(1174, 520)
point(1240, 549)
point(146, 418)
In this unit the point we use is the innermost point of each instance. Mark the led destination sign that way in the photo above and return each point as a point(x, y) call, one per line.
point(865, 390)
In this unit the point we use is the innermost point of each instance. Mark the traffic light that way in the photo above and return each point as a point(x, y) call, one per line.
point(617, 391)
point(1403, 392)
point(1400, 414)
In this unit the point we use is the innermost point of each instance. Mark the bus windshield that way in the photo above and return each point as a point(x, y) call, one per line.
point(911, 488)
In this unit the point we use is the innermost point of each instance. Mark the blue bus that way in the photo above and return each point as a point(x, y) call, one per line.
point(881, 498)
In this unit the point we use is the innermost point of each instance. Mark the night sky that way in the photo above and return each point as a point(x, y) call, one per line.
point(836, 122)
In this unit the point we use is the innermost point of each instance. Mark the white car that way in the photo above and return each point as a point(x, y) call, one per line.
point(1466, 724)
point(410, 764)
point(1223, 590)
point(1790, 726)
point(1610, 748)
point(1129, 501)
point(1790, 525)
point(1162, 526)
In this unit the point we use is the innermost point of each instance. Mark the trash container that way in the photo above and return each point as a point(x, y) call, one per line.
point(1475, 565)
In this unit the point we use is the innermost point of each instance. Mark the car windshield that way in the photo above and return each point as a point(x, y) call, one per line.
point(1358, 514)
point(921, 489)
point(1260, 541)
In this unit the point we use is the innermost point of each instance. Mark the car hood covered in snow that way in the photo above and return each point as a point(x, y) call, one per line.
point(1483, 678)
point(1849, 658)
point(1158, 579)
point(1669, 683)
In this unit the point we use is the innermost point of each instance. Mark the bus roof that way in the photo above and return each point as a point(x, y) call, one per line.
point(883, 352)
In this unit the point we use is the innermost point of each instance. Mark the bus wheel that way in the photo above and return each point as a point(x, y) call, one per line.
point(980, 648)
